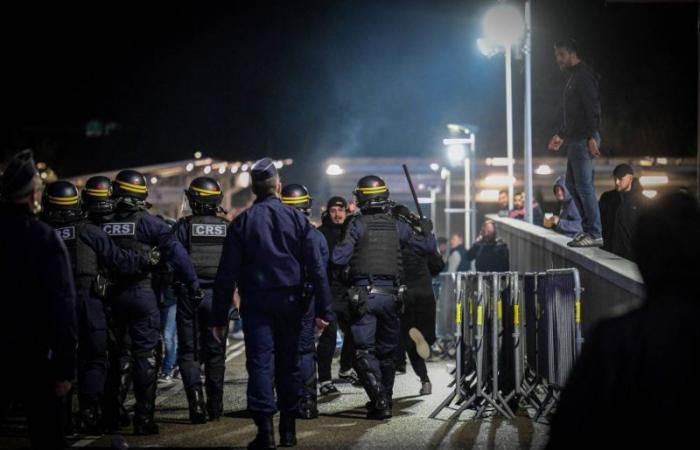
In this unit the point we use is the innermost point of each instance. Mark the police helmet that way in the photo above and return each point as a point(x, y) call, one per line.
point(371, 189)
point(97, 195)
point(204, 195)
point(296, 195)
point(130, 183)
point(61, 202)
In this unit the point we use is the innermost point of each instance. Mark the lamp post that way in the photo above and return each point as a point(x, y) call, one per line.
point(503, 26)
point(468, 160)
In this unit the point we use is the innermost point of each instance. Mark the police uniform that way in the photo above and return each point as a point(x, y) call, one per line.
point(372, 251)
point(91, 252)
point(134, 304)
point(268, 250)
point(297, 196)
point(202, 234)
point(38, 324)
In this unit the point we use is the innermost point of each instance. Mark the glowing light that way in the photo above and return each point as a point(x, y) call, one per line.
point(456, 153)
point(222, 169)
point(279, 164)
point(444, 173)
point(434, 167)
point(653, 180)
point(189, 167)
point(487, 196)
point(43, 175)
point(207, 169)
point(486, 47)
point(197, 155)
point(154, 180)
point(243, 180)
point(421, 186)
point(234, 168)
point(504, 24)
point(649, 193)
point(543, 169)
point(662, 161)
point(334, 169)
point(498, 180)
point(498, 162)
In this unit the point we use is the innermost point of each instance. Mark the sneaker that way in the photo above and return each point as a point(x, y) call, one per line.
point(422, 347)
point(426, 388)
point(165, 379)
point(586, 240)
point(328, 388)
point(349, 376)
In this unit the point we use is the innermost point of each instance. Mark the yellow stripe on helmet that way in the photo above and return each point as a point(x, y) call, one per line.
point(295, 200)
point(205, 191)
point(64, 200)
point(132, 187)
point(373, 190)
point(98, 192)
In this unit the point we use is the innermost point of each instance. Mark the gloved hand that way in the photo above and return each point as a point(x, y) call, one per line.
point(426, 226)
point(195, 294)
point(153, 257)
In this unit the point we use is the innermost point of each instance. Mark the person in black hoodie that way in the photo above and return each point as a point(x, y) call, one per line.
point(490, 253)
point(332, 228)
point(619, 211)
point(637, 372)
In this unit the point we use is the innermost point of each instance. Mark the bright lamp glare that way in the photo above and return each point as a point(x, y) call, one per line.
point(653, 180)
point(243, 180)
point(498, 180)
point(503, 24)
point(650, 193)
point(154, 180)
point(486, 47)
point(543, 169)
point(435, 167)
point(222, 170)
point(455, 153)
point(207, 169)
point(197, 155)
point(189, 167)
point(487, 195)
point(334, 169)
point(279, 164)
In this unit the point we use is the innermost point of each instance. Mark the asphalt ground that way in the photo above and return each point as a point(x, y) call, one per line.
point(342, 423)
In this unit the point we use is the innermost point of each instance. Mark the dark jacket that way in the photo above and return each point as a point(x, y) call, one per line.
point(490, 256)
point(38, 324)
point(334, 234)
point(619, 212)
point(570, 222)
point(537, 214)
point(581, 104)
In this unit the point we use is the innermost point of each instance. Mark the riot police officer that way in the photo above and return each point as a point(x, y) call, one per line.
point(38, 325)
point(371, 250)
point(91, 252)
point(134, 304)
point(202, 234)
point(297, 196)
point(267, 253)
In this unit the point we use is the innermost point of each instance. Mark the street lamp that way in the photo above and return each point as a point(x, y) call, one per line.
point(457, 154)
point(503, 26)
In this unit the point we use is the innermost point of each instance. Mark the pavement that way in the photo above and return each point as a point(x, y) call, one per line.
point(341, 425)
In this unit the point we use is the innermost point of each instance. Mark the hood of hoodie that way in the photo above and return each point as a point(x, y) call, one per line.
point(560, 181)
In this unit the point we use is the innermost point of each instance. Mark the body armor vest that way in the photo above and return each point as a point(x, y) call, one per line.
point(206, 241)
point(378, 252)
point(83, 258)
point(122, 228)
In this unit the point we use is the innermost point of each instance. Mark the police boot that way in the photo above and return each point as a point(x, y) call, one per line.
point(144, 423)
point(90, 419)
point(215, 407)
point(308, 408)
point(124, 385)
point(195, 399)
point(265, 439)
point(288, 430)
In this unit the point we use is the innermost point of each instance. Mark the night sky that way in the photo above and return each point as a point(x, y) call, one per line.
point(310, 80)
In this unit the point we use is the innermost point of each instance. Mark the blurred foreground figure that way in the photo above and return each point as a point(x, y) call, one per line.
point(38, 321)
point(635, 380)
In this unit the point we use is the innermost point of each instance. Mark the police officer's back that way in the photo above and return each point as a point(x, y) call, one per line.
point(268, 250)
point(38, 321)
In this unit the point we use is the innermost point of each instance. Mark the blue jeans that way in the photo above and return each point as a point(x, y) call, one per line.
point(579, 181)
point(169, 327)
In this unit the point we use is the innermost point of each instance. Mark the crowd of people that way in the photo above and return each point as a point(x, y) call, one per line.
point(96, 279)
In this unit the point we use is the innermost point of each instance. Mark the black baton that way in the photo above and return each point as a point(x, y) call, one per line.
point(413, 191)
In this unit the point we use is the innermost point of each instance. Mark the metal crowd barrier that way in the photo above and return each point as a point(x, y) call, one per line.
point(517, 339)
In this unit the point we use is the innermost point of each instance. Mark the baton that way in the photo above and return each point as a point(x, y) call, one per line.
point(413, 190)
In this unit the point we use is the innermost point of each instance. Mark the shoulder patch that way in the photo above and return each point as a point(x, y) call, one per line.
point(119, 229)
point(66, 233)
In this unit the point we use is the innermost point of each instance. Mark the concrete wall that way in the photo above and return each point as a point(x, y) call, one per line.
point(612, 285)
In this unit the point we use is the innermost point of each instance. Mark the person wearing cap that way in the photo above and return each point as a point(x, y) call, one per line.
point(619, 210)
point(268, 252)
point(132, 298)
point(332, 226)
point(38, 324)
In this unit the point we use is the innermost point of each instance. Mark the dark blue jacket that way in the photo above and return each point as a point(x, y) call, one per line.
point(356, 229)
point(270, 246)
point(155, 232)
point(570, 221)
point(38, 320)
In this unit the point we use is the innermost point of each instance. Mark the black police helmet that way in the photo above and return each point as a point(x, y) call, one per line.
point(371, 189)
point(204, 195)
point(61, 202)
point(130, 183)
point(97, 195)
point(296, 195)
